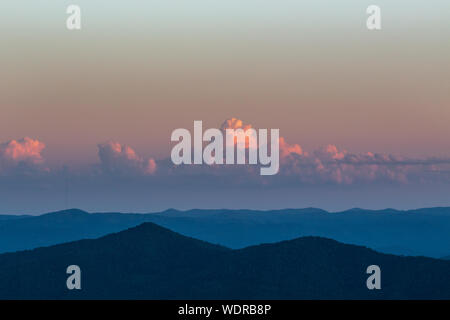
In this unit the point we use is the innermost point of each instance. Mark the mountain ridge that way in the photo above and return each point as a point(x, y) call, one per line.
point(152, 262)
point(414, 232)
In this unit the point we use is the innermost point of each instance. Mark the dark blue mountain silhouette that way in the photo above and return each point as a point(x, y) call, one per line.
point(151, 262)
point(415, 232)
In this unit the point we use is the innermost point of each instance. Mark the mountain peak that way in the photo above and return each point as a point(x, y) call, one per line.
point(73, 211)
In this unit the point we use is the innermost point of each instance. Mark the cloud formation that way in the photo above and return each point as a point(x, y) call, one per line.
point(22, 155)
point(332, 165)
point(234, 123)
point(116, 158)
point(287, 149)
point(326, 165)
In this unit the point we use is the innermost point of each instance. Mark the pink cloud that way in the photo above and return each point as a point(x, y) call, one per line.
point(332, 165)
point(329, 164)
point(25, 149)
point(24, 154)
point(150, 168)
point(287, 149)
point(234, 123)
point(118, 158)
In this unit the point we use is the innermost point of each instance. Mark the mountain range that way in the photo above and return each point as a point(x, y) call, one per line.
point(422, 232)
point(152, 262)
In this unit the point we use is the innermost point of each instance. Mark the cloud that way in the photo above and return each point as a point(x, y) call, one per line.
point(329, 164)
point(234, 123)
point(150, 167)
point(22, 155)
point(326, 165)
point(116, 158)
point(287, 149)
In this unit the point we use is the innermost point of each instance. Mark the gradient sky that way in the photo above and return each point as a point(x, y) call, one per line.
point(139, 69)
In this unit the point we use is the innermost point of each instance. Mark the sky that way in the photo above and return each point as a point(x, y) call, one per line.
point(86, 115)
